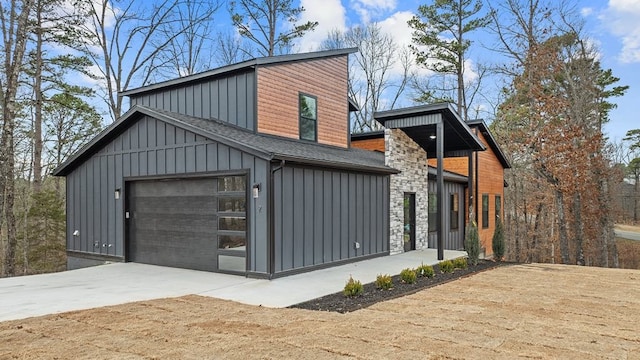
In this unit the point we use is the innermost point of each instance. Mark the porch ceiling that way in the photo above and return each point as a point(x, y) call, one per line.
point(420, 122)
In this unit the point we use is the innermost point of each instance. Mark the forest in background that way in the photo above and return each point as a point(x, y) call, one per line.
point(65, 62)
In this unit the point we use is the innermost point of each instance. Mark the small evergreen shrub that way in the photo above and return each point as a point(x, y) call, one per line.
point(384, 282)
point(446, 266)
point(408, 276)
point(498, 245)
point(425, 271)
point(353, 288)
point(460, 263)
point(472, 243)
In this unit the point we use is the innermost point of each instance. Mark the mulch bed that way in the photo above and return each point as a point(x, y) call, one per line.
point(339, 303)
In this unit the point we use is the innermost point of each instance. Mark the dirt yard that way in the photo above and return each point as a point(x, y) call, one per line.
point(524, 311)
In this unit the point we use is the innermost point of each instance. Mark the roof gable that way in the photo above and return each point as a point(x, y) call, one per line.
point(493, 144)
point(267, 147)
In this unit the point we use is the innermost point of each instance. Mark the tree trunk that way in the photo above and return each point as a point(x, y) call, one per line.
point(536, 230)
point(579, 228)
point(37, 121)
point(636, 199)
point(15, 37)
point(562, 224)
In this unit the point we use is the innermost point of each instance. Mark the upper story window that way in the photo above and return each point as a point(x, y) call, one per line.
point(308, 117)
point(485, 211)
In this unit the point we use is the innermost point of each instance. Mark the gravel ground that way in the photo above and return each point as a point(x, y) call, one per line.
point(521, 311)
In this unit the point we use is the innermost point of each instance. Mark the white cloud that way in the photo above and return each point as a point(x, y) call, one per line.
point(621, 18)
point(369, 10)
point(586, 11)
point(396, 26)
point(330, 15)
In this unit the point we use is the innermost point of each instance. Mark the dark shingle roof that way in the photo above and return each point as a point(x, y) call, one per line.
point(267, 147)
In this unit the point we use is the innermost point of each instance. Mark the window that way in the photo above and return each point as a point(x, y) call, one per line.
point(498, 207)
point(232, 223)
point(308, 117)
point(433, 212)
point(455, 208)
point(485, 211)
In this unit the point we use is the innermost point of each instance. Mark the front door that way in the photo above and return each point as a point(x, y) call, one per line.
point(409, 221)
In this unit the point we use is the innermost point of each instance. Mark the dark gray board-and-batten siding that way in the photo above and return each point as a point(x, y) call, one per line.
point(150, 148)
point(319, 213)
point(453, 239)
point(231, 99)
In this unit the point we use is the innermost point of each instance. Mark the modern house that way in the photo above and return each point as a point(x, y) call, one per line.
point(249, 169)
point(473, 179)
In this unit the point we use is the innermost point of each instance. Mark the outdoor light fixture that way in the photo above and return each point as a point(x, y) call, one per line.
point(117, 194)
point(255, 190)
point(432, 137)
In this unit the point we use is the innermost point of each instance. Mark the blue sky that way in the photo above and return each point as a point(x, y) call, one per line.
point(613, 25)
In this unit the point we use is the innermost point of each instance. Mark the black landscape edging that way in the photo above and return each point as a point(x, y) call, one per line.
point(337, 302)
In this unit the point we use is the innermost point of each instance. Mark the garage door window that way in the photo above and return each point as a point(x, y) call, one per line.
point(232, 223)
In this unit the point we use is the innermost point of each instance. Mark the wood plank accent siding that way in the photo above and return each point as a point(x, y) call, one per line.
point(278, 89)
point(152, 148)
point(369, 144)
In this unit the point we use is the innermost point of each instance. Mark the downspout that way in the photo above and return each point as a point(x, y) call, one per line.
point(271, 218)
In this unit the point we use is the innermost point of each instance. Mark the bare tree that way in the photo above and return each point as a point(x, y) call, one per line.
point(231, 49)
point(379, 73)
point(191, 51)
point(123, 39)
point(14, 22)
point(263, 21)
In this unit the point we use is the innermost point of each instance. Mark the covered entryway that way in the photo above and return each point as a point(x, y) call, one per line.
point(193, 223)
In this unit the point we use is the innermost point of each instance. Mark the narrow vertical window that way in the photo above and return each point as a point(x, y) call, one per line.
point(485, 211)
point(433, 212)
point(498, 207)
point(308, 117)
point(455, 208)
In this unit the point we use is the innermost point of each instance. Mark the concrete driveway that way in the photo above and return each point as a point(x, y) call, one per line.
point(625, 234)
point(119, 283)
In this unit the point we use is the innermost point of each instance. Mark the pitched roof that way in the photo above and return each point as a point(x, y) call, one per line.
point(419, 123)
point(448, 175)
point(241, 66)
point(493, 144)
point(267, 147)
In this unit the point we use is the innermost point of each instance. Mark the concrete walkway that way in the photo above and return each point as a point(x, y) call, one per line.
point(118, 283)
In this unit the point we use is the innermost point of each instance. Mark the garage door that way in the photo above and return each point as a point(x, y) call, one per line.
point(188, 223)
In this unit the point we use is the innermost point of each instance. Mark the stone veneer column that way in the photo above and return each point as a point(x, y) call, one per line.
point(404, 154)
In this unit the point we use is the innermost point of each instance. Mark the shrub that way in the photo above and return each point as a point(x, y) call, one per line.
point(472, 243)
point(425, 271)
point(446, 266)
point(384, 282)
point(408, 276)
point(498, 245)
point(353, 288)
point(460, 263)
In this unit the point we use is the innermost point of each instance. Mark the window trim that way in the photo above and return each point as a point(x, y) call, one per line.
point(498, 206)
point(301, 118)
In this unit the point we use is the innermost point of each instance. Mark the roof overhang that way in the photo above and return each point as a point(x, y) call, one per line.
point(484, 129)
point(239, 67)
point(420, 123)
